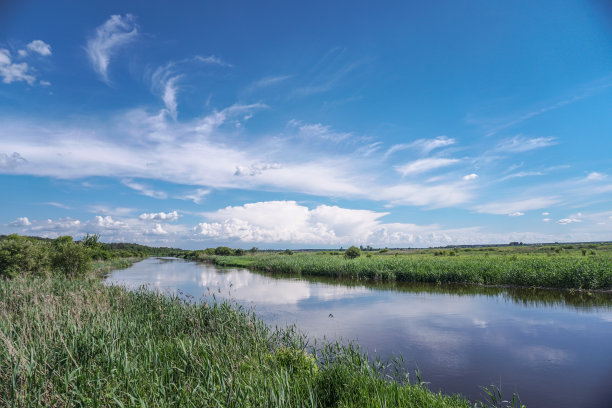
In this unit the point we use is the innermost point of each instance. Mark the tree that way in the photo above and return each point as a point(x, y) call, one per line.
point(352, 253)
point(223, 251)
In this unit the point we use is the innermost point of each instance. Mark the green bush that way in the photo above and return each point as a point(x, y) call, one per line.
point(352, 253)
point(223, 251)
point(70, 258)
point(22, 255)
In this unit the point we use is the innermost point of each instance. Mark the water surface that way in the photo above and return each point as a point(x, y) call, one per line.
point(553, 347)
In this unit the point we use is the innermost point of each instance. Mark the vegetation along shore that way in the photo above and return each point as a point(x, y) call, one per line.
point(576, 267)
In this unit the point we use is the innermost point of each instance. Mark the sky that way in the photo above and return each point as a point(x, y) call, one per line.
point(307, 124)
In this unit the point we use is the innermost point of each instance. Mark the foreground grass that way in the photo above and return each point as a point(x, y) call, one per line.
point(530, 270)
point(77, 342)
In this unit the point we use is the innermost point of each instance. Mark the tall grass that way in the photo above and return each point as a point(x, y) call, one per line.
point(75, 342)
point(569, 272)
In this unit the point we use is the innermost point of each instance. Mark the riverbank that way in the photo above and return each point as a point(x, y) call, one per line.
point(572, 271)
point(77, 342)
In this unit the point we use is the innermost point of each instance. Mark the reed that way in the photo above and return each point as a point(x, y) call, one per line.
point(527, 270)
point(75, 342)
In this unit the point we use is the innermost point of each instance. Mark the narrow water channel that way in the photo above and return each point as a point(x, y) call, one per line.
point(553, 347)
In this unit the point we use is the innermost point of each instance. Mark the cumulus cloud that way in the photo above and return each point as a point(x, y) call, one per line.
point(160, 216)
point(20, 222)
point(424, 165)
point(14, 72)
point(520, 144)
point(10, 162)
point(116, 32)
point(40, 47)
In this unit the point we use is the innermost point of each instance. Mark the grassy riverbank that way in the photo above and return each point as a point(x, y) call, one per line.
point(569, 270)
point(76, 342)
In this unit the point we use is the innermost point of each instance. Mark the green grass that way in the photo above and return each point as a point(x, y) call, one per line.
point(75, 342)
point(562, 271)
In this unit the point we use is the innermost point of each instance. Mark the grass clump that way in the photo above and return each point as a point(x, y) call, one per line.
point(75, 342)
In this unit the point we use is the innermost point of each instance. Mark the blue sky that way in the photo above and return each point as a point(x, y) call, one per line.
point(313, 124)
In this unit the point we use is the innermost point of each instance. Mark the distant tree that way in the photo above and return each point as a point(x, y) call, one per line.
point(253, 250)
point(239, 252)
point(288, 252)
point(352, 253)
point(223, 251)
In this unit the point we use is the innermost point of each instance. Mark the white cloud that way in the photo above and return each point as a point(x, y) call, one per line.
point(318, 131)
point(516, 214)
point(45, 83)
point(201, 152)
point(266, 82)
point(20, 222)
point(255, 169)
point(40, 47)
point(10, 162)
point(423, 145)
point(570, 220)
point(211, 59)
point(520, 144)
point(144, 190)
point(595, 176)
point(116, 32)
point(546, 219)
point(14, 72)
point(160, 216)
point(424, 165)
point(545, 213)
point(158, 230)
point(197, 196)
point(295, 223)
point(510, 207)
point(472, 176)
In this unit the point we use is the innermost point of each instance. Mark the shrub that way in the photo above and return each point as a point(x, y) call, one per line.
point(22, 255)
point(69, 257)
point(239, 252)
point(352, 253)
point(288, 252)
point(223, 251)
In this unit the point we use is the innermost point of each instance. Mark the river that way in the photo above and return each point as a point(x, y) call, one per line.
point(552, 347)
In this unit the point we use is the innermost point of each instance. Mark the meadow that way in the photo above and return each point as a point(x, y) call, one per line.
point(576, 267)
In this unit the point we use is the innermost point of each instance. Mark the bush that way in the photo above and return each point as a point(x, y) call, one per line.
point(223, 251)
point(239, 252)
point(70, 258)
point(352, 253)
point(22, 255)
point(288, 252)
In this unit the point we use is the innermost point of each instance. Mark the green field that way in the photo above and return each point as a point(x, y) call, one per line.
point(578, 267)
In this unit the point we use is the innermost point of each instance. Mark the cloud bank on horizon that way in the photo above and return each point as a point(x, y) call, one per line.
point(125, 127)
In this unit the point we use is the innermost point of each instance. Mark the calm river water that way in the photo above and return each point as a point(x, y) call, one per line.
point(554, 348)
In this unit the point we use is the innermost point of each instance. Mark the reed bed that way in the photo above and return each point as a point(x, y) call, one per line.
point(77, 343)
point(563, 271)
